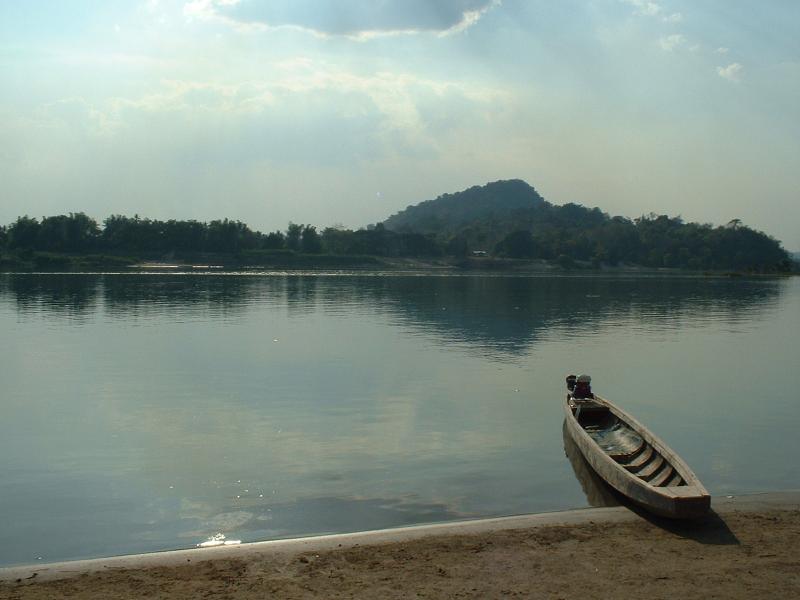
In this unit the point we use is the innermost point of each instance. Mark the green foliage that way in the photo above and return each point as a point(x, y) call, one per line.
point(274, 241)
point(506, 218)
point(23, 233)
point(68, 233)
point(517, 244)
point(311, 242)
point(335, 240)
point(451, 212)
point(512, 219)
point(379, 241)
point(293, 234)
point(137, 235)
point(458, 246)
point(63, 233)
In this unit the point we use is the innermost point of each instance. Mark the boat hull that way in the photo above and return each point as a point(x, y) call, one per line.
point(686, 499)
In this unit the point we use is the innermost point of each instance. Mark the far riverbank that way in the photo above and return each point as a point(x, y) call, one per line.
point(46, 262)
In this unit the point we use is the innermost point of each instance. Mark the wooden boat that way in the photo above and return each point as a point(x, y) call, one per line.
point(632, 460)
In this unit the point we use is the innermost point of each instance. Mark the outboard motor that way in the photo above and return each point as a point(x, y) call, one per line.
point(583, 388)
point(571, 379)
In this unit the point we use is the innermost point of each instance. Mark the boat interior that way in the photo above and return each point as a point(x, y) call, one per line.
point(624, 445)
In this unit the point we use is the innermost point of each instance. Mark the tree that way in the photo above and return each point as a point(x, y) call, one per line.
point(734, 224)
point(23, 233)
point(517, 244)
point(293, 234)
point(337, 240)
point(414, 244)
point(457, 246)
point(274, 241)
point(311, 242)
point(230, 236)
point(187, 236)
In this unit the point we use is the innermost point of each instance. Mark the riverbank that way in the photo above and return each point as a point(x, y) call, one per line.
point(746, 548)
point(285, 260)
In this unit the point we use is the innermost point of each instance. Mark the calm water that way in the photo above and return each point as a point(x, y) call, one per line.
point(149, 412)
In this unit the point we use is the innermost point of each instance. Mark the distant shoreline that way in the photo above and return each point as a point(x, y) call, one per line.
point(503, 225)
point(50, 263)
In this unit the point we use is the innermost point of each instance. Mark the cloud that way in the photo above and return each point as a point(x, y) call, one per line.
point(157, 11)
point(733, 72)
point(303, 112)
point(722, 50)
point(670, 42)
point(354, 19)
point(645, 8)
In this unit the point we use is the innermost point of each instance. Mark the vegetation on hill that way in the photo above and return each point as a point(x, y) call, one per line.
point(510, 219)
point(478, 206)
point(504, 219)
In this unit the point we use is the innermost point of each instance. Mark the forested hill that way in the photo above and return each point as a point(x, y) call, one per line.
point(450, 213)
point(510, 219)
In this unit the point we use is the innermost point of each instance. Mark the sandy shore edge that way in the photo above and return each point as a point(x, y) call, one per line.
point(751, 503)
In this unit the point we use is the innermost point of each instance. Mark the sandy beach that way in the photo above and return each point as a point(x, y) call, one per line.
point(745, 549)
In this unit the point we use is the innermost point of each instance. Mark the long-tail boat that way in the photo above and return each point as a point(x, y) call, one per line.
point(632, 460)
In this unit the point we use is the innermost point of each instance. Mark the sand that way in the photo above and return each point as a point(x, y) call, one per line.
point(747, 548)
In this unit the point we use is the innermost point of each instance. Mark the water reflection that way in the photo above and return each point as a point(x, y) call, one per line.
point(62, 296)
point(317, 516)
point(598, 492)
point(508, 315)
point(150, 295)
point(502, 316)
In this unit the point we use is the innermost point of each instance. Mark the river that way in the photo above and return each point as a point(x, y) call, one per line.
point(144, 412)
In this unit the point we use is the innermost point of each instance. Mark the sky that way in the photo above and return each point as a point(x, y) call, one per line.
point(342, 112)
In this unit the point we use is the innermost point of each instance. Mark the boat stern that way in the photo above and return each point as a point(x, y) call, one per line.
point(689, 502)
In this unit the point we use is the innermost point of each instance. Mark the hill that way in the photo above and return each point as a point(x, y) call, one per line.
point(450, 213)
point(510, 219)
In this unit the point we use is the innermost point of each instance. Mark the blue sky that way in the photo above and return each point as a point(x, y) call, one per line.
point(324, 111)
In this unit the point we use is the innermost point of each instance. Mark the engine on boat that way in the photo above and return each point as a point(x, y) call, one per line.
point(580, 387)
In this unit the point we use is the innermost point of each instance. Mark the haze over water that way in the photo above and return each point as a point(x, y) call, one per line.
point(149, 412)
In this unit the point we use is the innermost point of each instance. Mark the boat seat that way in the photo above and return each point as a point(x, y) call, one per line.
point(650, 469)
point(665, 475)
point(625, 457)
point(622, 457)
point(675, 481)
point(640, 459)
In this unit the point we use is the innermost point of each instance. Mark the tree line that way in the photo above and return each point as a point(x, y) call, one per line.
point(78, 233)
point(569, 235)
point(655, 241)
